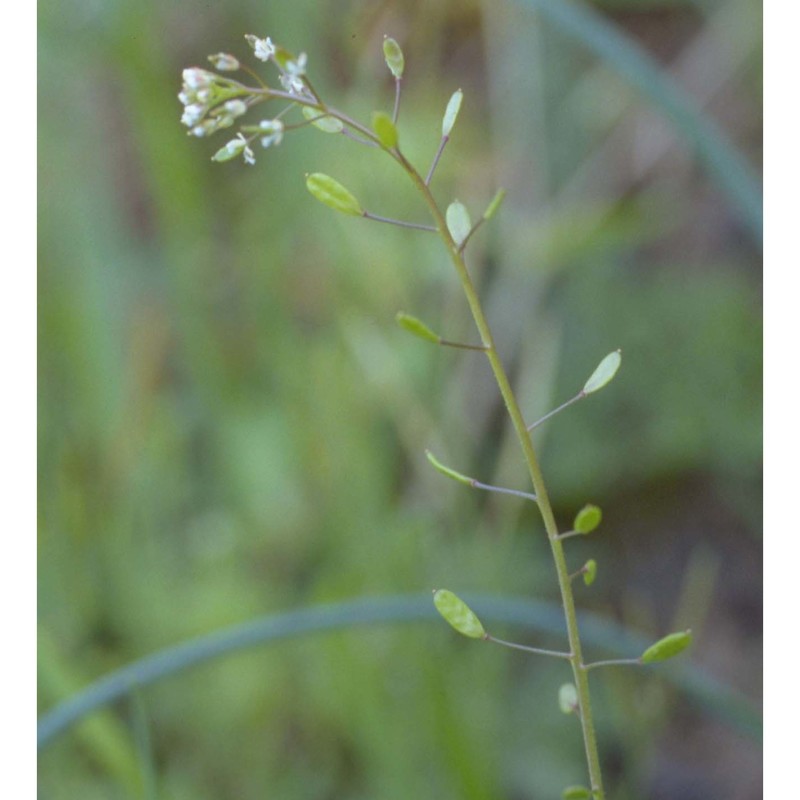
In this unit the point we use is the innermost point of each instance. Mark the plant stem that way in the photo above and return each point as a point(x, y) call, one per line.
point(523, 435)
point(614, 662)
point(555, 411)
point(537, 650)
point(400, 222)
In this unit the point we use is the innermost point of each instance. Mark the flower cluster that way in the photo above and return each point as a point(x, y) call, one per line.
point(212, 102)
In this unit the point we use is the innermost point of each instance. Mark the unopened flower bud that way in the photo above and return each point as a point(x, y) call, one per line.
point(192, 114)
point(196, 78)
point(225, 62)
point(236, 108)
point(206, 127)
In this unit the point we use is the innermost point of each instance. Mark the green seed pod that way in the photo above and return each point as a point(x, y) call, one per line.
point(458, 614)
point(417, 327)
point(576, 793)
point(568, 698)
point(333, 194)
point(318, 119)
point(491, 209)
point(589, 572)
point(382, 125)
point(450, 473)
point(451, 112)
point(587, 519)
point(605, 371)
point(394, 56)
point(458, 222)
point(667, 647)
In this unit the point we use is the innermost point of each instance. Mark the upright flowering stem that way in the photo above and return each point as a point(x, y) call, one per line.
point(212, 102)
point(524, 437)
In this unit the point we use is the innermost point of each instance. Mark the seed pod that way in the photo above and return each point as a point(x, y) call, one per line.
point(491, 209)
point(589, 572)
point(333, 194)
point(318, 119)
point(587, 519)
point(568, 698)
point(667, 647)
point(382, 125)
point(394, 56)
point(458, 614)
point(576, 793)
point(451, 112)
point(458, 222)
point(450, 473)
point(417, 327)
point(605, 371)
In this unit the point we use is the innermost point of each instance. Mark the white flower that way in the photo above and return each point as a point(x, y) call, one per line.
point(297, 68)
point(292, 75)
point(262, 48)
point(273, 128)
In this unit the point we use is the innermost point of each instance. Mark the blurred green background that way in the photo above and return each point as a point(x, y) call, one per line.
point(231, 424)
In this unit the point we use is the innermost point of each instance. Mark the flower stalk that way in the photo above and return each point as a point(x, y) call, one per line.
point(212, 102)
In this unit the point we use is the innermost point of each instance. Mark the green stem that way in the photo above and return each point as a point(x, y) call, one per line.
point(523, 435)
point(567, 599)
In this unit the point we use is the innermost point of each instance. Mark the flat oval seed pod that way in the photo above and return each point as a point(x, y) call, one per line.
point(458, 614)
point(568, 698)
point(333, 194)
point(417, 327)
point(458, 221)
point(589, 572)
point(318, 119)
point(382, 125)
point(667, 647)
point(394, 56)
point(587, 519)
point(491, 209)
point(451, 112)
point(605, 371)
point(576, 793)
point(451, 473)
